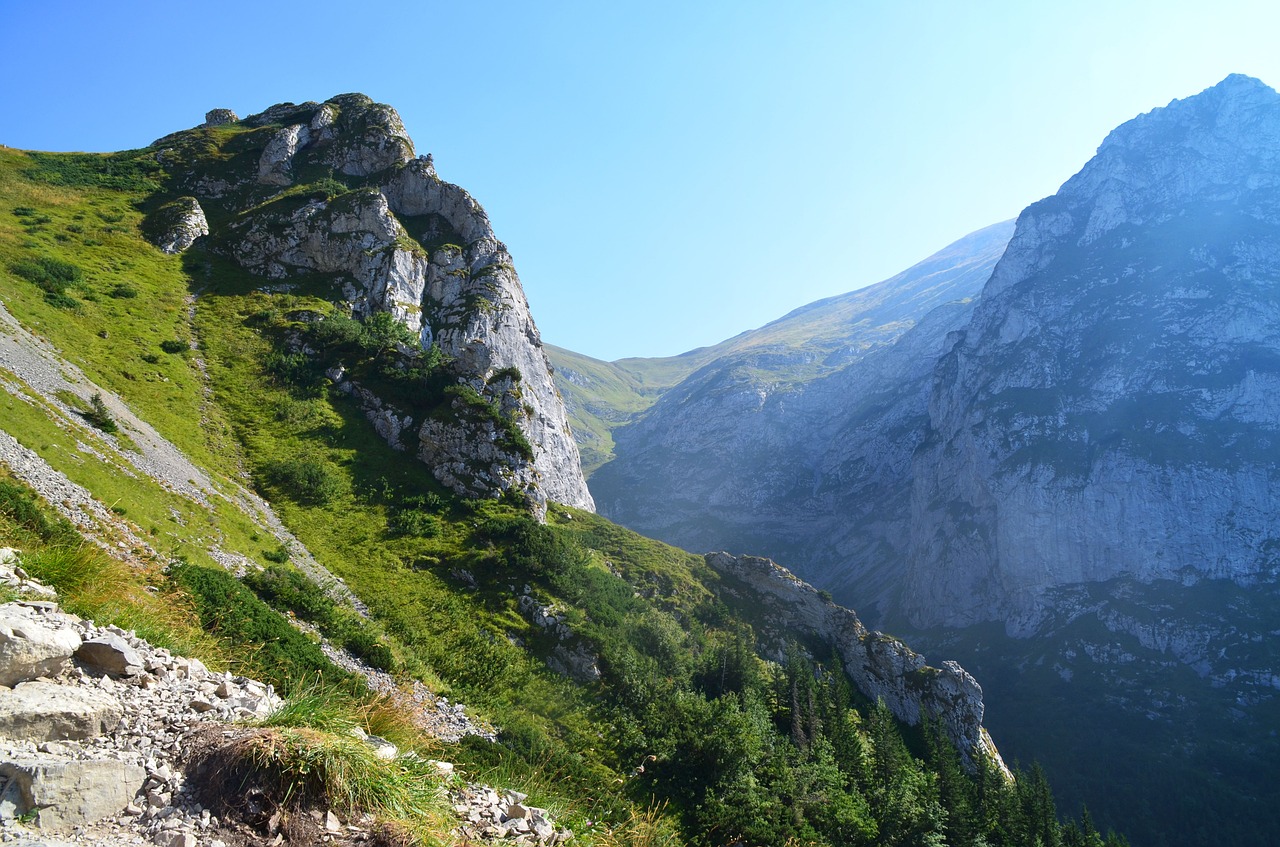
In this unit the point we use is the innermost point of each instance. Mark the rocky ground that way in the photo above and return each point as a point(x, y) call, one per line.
point(97, 727)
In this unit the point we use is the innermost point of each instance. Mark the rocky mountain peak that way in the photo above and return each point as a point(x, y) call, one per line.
point(1219, 146)
point(335, 189)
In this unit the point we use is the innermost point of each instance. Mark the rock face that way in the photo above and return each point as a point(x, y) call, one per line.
point(176, 225)
point(879, 665)
point(395, 238)
point(1111, 409)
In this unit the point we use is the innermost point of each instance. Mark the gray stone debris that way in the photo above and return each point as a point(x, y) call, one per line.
point(116, 780)
point(490, 815)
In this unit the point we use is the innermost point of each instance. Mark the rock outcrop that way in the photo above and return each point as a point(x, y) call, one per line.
point(882, 667)
point(396, 238)
point(176, 225)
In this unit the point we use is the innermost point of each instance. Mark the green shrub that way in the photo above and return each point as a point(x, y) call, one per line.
point(21, 512)
point(123, 291)
point(173, 345)
point(54, 277)
point(284, 656)
point(99, 415)
point(414, 524)
point(280, 555)
point(291, 590)
point(307, 478)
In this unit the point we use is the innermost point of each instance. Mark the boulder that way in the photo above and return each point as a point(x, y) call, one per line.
point(65, 793)
point(45, 711)
point(30, 647)
point(275, 167)
point(111, 654)
point(219, 117)
point(176, 225)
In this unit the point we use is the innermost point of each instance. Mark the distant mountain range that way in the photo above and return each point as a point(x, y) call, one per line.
point(1059, 459)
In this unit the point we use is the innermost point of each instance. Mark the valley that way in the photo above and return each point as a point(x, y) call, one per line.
point(1048, 451)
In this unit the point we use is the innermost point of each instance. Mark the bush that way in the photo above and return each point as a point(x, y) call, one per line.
point(123, 291)
point(99, 415)
point(53, 276)
point(174, 345)
point(50, 274)
point(309, 479)
point(280, 555)
point(292, 590)
point(285, 657)
point(19, 510)
point(414, 524)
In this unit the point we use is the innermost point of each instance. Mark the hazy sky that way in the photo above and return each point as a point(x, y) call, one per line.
point(666, 175)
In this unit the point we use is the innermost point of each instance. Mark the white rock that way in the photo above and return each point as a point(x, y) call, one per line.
point(30, 647)
point(65, 794)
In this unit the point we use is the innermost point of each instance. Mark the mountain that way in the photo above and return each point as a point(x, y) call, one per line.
point(809, 342)
point(1067, 481)
point(271, 399)
point(790, 429)
point(1110, 408)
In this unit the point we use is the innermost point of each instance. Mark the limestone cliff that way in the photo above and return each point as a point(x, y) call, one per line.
point(1111, 408)
point(333, 191)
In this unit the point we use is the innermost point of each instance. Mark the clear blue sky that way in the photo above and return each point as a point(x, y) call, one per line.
point(665, 174)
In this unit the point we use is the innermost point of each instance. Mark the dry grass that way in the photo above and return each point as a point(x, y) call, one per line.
point(92, 584)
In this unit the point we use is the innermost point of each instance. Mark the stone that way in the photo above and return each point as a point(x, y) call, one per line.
point(175, 838)
point(65, 794)
point(382, 748)
point(111, 654)
point(31, 647)
point(219, 117)
point(46, 711)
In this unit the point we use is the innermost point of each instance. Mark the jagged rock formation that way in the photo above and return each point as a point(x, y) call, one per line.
point(393, 238)
point(881, 666)
point(1110, 410)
